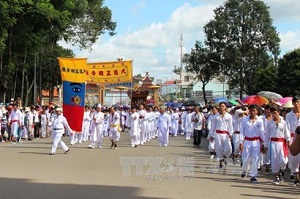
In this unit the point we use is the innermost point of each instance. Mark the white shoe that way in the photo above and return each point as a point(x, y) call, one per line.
point(91, 147)
point(99, 147)
point(211, 157)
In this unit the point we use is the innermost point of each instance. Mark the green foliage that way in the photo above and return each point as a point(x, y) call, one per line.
point(245, 39)
point(266, 80)
point(289, 74)
point(198, 63)
point(30, 30)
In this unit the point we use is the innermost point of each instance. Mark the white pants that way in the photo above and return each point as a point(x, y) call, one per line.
point(15, 129)
point(222, 145)
point(236, 144)
point(294, 163)
point(277, 156)
point(211, 145)
point(57, 134)
point(251, 153)
point(114, 134)
point(163, 137)
point(134, 140)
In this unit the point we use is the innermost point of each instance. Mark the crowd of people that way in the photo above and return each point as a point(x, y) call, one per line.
point(253, 136)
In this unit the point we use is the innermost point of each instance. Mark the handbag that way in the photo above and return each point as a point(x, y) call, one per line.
point(5, 134)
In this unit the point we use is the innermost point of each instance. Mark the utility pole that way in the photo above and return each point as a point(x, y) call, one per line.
point(180, 72)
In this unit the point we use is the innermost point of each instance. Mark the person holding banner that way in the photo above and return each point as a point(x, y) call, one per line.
point(59, 124)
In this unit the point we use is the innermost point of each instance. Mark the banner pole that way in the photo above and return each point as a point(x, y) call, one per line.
point(131, 84)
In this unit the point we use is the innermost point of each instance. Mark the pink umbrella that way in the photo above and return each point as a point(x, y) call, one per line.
point(284, 100)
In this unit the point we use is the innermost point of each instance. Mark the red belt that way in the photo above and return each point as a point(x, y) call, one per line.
point(14, 120)
point(236, 132)
point(253, 139)
point(222, 132)
point(292, 134)
point(285, 147)
point(278, 139)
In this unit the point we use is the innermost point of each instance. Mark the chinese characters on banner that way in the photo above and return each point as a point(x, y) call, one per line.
point(109, 72)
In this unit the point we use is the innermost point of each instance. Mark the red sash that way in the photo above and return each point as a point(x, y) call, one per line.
point(253, 139)
point(222, 132)
point(236, 132)
point(285, 147)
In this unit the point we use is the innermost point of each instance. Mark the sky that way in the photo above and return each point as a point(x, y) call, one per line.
point(148, 32)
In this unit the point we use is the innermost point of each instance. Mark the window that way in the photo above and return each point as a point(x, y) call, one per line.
point(186, 78)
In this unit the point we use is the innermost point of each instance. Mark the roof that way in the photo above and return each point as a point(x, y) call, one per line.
point(45, 93)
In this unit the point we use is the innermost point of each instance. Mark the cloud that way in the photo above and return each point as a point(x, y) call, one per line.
point(155, 47)
point(282, 10)
point(290, 40)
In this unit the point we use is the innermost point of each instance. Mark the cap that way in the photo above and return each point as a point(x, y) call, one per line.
point(98, 105)
point(58, 109)
point(239, 111)
point(27, 109)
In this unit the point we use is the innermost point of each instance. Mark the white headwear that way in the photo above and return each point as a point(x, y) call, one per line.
point(4, 110)
point(98, 105)
point(239, 111)
point(58, 109)
point(27, 109)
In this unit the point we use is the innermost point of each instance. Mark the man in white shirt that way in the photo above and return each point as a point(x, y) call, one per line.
point(252, 138)
point(15, 122)
point(59, 123)
point(221, 130)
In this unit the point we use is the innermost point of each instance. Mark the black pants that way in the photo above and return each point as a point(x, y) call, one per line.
point(36, 131)
point(197, 137)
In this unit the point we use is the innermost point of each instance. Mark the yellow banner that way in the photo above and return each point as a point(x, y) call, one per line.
point(109, 72)
point(73, 69)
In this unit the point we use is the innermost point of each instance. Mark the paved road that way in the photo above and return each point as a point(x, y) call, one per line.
point(149, 171)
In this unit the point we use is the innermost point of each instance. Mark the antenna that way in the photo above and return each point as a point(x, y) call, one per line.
point(181, 55)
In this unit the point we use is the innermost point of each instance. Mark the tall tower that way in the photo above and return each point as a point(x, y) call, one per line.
point(180, 71)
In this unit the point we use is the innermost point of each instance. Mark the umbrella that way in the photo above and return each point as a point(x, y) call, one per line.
point(270, 95)
point(220, 99)
point(169, 104)
point(284, 100)
point(233, 102)
point(256, 99)
point(289, 104)
point(191, 102)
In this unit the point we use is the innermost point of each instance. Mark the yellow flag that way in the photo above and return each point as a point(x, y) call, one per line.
point(73, 69)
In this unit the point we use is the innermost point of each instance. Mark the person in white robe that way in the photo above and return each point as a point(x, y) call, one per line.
point(96, 131)
point(114, 131)
point(133, 127)
point(164, 126)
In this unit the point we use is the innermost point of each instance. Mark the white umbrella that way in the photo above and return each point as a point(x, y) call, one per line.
point(289, 104)
point(270, 95)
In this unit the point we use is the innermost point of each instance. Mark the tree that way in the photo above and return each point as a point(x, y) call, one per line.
point(245, 39)
point(289, 74)
point(198, 63)
point(266, 79)
point(30, 30)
